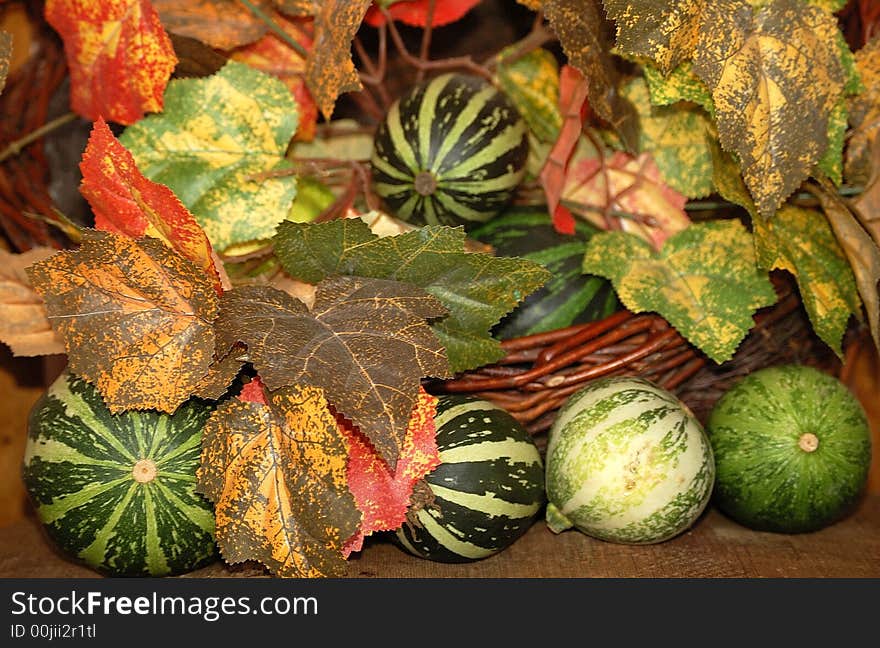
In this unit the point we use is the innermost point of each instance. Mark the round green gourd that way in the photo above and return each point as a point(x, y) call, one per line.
point(570, 296)
point(627, 462)
point(449, 152)
point(486, 491)
point(117, 491)
point(792, 447)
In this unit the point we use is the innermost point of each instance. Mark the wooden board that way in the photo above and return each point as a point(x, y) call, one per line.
point(715, 548)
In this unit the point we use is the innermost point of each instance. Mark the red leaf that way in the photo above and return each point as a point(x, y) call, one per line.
point(573, 90)
point(119, 55)
point(415, 12)
point(125, 202)
point(383, 495)
point(254, 392)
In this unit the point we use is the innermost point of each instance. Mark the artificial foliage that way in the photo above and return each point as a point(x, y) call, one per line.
point(237, 252)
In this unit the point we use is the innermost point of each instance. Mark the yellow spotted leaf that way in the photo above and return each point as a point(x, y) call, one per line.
point(275, 469)
point(5, 56)
point(704, 281)
point(223, 24)
point(800, 241)
point(776, 76)
point(532, 84)
point(864, 114)
point(136, 318)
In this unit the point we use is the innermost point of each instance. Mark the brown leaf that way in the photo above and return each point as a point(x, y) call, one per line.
point(297, 7)
point(221, 373)
point(867, 205)
point(23, 323)
point(223, 24)
point(194, 58)
point(136, 318)
point(366, 343)
point(864, 114)
point(276, 473)
point(330, 71)
point(5, 56)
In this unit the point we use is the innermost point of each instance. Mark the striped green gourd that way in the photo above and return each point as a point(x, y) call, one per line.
point(117, 491)
point(627, 462)
point(486, 491)
point(450, 152)
point(570, 296)
point(792, 449)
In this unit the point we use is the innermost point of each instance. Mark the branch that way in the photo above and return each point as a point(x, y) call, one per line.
point(14, 148)
point(271, 24)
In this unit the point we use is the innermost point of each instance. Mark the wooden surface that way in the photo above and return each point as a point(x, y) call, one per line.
point(714, 548)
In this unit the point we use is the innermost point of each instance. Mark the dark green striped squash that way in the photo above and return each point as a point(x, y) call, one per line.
point(451, 151)
point(117, 491)
point(569, 297)
point(486, 491)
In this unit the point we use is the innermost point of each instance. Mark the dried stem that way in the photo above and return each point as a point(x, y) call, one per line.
point(271, 24)
point(14, 148)
point(426, 39)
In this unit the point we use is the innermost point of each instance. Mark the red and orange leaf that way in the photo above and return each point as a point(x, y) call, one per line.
point(136, 318)
point(272, 55)
point(224, 24)
point(125, 202)
point(381, 494)
point(276, 472)
point(118, 54)
point(415, 12)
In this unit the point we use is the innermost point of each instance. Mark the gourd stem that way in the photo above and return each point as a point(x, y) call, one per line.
point(144, 471)
point(425, 183)
point(808, 442)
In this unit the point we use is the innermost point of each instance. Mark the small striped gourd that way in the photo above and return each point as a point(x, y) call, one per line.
point(451, 151)
point(570, 296)
point(486, 491)
point(117, 491)
point(627, 462)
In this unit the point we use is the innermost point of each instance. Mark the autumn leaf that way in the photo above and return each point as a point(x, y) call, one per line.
point(272, 55)
point(222, 372)
point(867, 205)
point(330, 71)
point(531, 82)
point(627, 191)
point(864, 114)
point(776, 76)
point(276, 473)
point(23, 323)
point(381, 494)
point(365, 342)
point(681, 84)
point(223, 24)
point(5, 56)
point(703, 281)
point(579, 24)
point(125, 202)
point(478, 289)
point(415, 12)
point(297, 7)
point(800, 241)
point(210, 146)
point(118, 55)
point(136, 318)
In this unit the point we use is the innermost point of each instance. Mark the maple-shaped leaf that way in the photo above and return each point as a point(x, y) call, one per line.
point(415, 12)
point(381, 494)
point(477, 289)
point(125, 202)
point(276, 473)
point(580, 26)
point(531, 82)
point(274, 56)
point(676, 136)
point(703, 281)
point(118, 55)
point(23, 324)
point(223, 24)
point(210, 146)
point(864, 114)
point(136, 318)
point(627, 191)
point(5, 56)
point(776, 76)
point(800, 241)
point(365, 342)
point(330, 71)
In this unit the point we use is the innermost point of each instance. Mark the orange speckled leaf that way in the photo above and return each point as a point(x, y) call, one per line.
point(381, 494)
point(272, 55)
point(330, 71)
point(223, 24)
point(119, 56)
point(125, 202)
point(135, 316)
point(276, 473)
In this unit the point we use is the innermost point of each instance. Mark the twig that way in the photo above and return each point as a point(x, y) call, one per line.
point(14, 148)
point(533, 40)
point(426, 39)
point(271, 24)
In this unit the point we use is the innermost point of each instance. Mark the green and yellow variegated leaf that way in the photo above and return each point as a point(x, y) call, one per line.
point(681, 84)
point(676, 136)
point(215, 138)
point(831, 163)
point(775, 76)
point(531, 82)
point(703, 281)
point(800, 241)
point(728, 180)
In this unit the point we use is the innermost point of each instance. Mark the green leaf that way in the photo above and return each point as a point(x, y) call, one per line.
point(215, 138)
point(831, 163)
point(531, 82)
point(801, 241)
point(703, 281)
point(477, 289)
